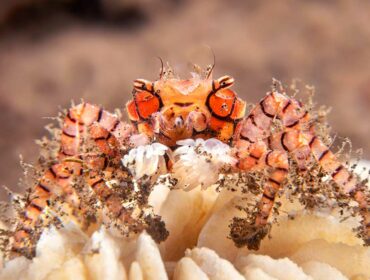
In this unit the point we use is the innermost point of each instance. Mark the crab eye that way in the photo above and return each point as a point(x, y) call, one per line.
point(222, 102)
point(223, 82)
point(141, 84)
point(146, 104)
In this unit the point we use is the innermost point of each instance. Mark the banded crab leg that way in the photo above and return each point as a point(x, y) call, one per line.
point(58, 179)
point(296, 138)
point(348, 182)
point(253, 157)
point(277, 162)
point(110, 136)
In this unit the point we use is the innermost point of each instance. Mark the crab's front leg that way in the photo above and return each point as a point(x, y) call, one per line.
point(110, 137)
point(296, 139)
point(57, 182)
point(104, 135)
point(256, 157)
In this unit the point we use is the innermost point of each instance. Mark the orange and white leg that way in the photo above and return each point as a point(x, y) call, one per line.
point(110, 136)
point(57, 181)
point(348, 182)
point(275, 162)
point(254, 136)
point(274, 106)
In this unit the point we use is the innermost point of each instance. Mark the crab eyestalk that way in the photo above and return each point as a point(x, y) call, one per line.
point(223, 82)
point(141, 84)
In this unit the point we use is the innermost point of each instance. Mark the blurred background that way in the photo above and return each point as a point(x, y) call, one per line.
point(55, 51)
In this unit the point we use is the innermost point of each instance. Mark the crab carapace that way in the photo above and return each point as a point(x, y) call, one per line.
point(170, 110)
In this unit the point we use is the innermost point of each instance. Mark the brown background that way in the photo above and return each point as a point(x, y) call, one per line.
point(55, 51)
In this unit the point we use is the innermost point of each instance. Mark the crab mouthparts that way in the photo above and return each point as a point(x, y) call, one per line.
point(179, 122)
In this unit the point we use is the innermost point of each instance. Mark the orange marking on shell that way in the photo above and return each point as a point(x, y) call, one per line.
point(221, 102)
point(278, 159)
point(216, 124)
point(225, 129)
point(241, 148)
point(147, 104)
point(131, 111)
point(329, 162)
point(75, 112)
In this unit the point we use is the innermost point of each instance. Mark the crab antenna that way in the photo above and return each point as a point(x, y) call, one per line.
point(162, 67)
point(213, 65)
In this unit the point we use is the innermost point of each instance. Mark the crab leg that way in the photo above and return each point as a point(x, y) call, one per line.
point(108, 134)
point(107, 131)
point(56, 181)
point(255, 136)
point(346, 180)
point(253, 133)
point(258, 156)
point(277, 162)
point(257, 126)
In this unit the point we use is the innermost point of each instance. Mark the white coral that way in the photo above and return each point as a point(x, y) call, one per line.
point(105, 256)
point(199, 162)
point(195, 162)
point(146, 160)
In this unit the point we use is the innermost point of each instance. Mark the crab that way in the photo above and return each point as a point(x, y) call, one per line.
point(166, 111)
